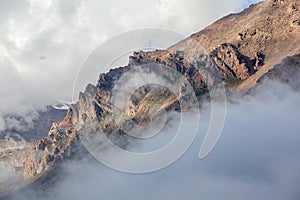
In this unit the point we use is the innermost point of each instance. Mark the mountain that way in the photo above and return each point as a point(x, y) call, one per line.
point(242, 49)
point(33, 126)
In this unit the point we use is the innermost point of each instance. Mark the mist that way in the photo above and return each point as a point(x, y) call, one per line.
point(256, 157)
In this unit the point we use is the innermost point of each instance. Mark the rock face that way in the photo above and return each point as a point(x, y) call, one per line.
point(241, 48)
point(232, 64)
point(85, 108)
point(288, 72)
point(95, 103)
point(264, 34)
point(61, 143)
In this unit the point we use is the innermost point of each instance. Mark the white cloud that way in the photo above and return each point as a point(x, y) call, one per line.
point(2, 124)
point(42, 43)
point(257, 157)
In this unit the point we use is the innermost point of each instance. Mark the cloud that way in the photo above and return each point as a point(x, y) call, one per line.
point(42, 44)
point(257, 157)
point(2, 124)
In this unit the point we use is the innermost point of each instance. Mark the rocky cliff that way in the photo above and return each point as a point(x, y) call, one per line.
point(239, 49)
point(62, 143)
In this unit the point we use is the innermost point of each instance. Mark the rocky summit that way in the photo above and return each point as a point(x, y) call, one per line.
point(240, 50)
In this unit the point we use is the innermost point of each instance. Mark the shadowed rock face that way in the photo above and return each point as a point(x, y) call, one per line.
point(241, 46)
point(288, 72)
point(232, 64)
point(61, 143)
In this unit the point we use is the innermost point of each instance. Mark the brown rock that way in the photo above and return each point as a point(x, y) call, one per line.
point(232, 63)
point(67, 121)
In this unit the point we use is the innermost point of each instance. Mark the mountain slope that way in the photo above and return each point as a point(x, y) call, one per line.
point(240, 48)
point(264, 33)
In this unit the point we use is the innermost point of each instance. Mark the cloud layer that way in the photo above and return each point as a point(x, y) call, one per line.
point(257, 157)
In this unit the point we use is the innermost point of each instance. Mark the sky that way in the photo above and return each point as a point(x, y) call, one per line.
point(43, 43)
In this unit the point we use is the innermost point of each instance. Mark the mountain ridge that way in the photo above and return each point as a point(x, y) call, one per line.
point(95, 103)
point(242, 48)
point(241, 53)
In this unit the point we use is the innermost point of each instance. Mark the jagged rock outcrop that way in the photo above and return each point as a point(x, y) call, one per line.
point(84, 109)
point(95, 103)
point(232, 64)
point(240, 46)
point(61, 143)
